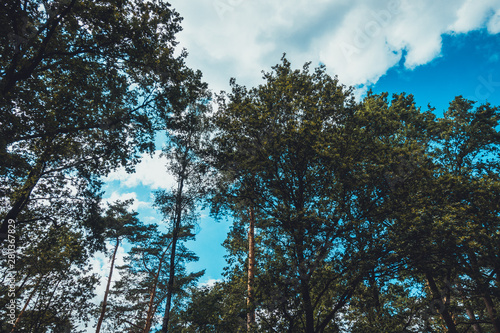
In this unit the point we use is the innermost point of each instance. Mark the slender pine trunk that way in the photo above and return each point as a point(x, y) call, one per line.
point(151, 311)
point(469, 310)
point(304, 285)
point(484, 292)
point(106, 292)
point(308, 308)
point(251, 271)
point(490, 307)
point(175, 237)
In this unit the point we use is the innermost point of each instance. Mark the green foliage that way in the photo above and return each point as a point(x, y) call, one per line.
point(84, 86)
point(216, 308)
point(372, 216)
point(55, 286)
point(188, 131)
point(282, 135)
point(145, 276)
point(80, 82)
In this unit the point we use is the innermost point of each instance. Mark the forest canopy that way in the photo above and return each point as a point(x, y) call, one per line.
point(349, 215)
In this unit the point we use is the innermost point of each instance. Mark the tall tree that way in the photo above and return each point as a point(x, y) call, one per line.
point(138, 294)
point(187, 127)
point(275, 143)
point(119, 225)
point(54, 282)
point(444, 218)
point(78, 79)
point(468, 152)
point(137, 300)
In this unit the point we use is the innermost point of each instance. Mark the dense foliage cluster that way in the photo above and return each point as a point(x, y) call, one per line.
point(371, 216)
point(349, 216)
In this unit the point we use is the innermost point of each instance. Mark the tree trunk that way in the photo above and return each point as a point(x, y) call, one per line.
point(450, 324)
point(150, 313)
point(175, 236)
point(469, 310)
point(304, 283)
point(23, 197)
point(251, 271)
point(105, 300)
point(484, 292)
point(492, 312)
point(170, 287)
point(308, 308)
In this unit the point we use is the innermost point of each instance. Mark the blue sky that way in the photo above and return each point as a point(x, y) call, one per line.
point(432, 49)
point(469, 65)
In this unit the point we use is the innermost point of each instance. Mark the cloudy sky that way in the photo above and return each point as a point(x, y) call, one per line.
point(433, 49)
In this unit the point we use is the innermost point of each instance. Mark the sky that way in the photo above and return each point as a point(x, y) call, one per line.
point(433, 49)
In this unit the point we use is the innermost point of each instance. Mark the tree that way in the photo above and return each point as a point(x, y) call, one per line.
point(216, 308)
point(55, 286)
point(251, 271)
point(137, 296)
point(443, 216)
point(137, 299)
point(387, 142)
point(187, 128)
point(467, 153)
point(78, 80)
point(275, 144)
point(120, 224)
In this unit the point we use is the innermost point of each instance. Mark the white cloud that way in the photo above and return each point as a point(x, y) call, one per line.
point(210, 283)
point(151, 172)
point(472, 15)
point(494, 23)
point(115, 196)
point(358, 40)
point(358, 51)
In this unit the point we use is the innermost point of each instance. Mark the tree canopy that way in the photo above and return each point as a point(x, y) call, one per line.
point(80, 85)
point(349, 215)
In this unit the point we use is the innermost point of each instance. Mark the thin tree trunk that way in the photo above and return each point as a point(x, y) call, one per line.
point(251, 271)
point(170, 287)
point(105, 300)
point(150, 312)
point(175, 236)
point(308, 308)
point(304, 285)
point(44, 313)
point(450, 324)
